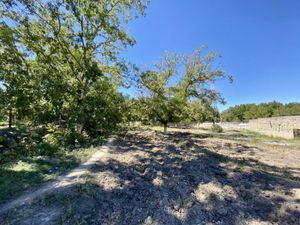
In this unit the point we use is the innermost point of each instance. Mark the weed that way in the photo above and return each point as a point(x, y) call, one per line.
point(216, 128)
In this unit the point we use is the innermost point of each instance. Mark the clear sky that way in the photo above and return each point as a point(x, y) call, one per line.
point(259, 41)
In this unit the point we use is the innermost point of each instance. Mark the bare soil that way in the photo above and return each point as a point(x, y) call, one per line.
point(185, 177)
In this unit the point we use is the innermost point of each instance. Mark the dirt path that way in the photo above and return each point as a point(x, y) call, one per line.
point(61, 181)
point(146, 178)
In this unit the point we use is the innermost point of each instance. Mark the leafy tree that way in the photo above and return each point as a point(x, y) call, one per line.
point(64, 49)
point(133, 110)
point(104, 107)
point(14, 76)
point(175, 81)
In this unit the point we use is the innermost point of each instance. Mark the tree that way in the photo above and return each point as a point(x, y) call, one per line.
point(177, 80)
point(66, 48)
point(14, 76)
point(133, 111)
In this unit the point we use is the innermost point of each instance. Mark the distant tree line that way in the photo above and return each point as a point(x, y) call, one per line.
point(246, 112)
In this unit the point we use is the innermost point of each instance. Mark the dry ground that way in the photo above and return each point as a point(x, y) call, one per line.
point(185, 177)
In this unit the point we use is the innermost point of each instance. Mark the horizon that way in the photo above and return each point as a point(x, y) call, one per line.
point(258, 40)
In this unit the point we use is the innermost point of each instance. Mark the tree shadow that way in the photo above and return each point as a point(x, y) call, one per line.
point(175, 180)
point(28, 174)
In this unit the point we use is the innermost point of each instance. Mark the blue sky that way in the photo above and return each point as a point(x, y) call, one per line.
point(259, 41)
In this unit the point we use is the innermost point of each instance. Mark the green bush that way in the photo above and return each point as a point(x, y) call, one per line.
point(216, 128)
point(65, 138)
point(45, 149)
point(39, 141)
point(71, 139)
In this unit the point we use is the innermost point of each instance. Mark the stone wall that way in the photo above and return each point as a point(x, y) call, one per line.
point(286, 126)
point(224, 125)
point(276, 126)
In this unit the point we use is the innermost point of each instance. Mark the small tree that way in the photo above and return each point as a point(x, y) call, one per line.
point(177, 80)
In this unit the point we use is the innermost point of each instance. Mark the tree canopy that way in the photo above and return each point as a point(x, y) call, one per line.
point(178, 82)
point(60, 59)
point(60, 64)
point(246, 112)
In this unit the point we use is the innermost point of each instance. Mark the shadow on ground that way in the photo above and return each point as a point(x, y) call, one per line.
point(173, 179)
point(29, 173)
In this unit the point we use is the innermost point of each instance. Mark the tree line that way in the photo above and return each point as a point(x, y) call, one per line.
point(60, 61)
point(61, 65)
point(246, 112)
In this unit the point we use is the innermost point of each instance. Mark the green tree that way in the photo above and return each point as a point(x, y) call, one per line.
point(14, 76)
point(175, 81)
point(197, 111)
point(133, 110)
point(66, 47)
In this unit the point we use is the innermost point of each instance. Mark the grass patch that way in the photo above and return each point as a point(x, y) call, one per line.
point(3, 124)
point(30, 156)
point(155, 128)
point(29, 172)
point(215, 128)
point(257, 138)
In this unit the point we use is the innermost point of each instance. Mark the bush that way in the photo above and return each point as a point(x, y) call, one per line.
point(38, 141)
point(72, 139)
point(216, 128)
point(65, 138)
point(45, 149)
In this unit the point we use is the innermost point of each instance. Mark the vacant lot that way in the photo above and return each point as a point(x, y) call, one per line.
point(185, 177)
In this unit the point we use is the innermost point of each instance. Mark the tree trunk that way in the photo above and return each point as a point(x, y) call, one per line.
point(165, 128)
point(10, 118)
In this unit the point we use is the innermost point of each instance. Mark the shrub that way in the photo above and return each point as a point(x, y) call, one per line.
point(45, 149)
point(71, 139)
point(216, 128)
point(65, 138)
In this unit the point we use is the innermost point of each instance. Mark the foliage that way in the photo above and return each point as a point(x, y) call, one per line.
point(60, 59)
point(246, 112)
point(216, 128)
point(59, 79)
point(172, 101)
point(31, 156)
point(134, 110)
